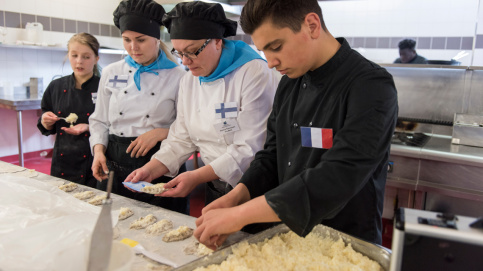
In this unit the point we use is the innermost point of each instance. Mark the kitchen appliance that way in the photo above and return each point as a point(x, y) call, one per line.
point(34, 32)
point(424, 240)
point(468, 130)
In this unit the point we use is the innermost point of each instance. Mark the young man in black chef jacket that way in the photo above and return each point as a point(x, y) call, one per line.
point(328, 136)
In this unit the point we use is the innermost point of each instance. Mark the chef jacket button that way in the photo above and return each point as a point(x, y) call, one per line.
point(130, 71)
point(152, 93)
point(289, 164)
point(85, 134)
point(65, 90)
point(304, 85)
point(147, 116)
point(58, 112)
point(122, 133)
point(295, 125)
point(82, 176)
point(85, 156)
point(60, 133)
point(125, 92)
point(62, 173)
point(88, 114)
point(120, 113)
point(310, 124)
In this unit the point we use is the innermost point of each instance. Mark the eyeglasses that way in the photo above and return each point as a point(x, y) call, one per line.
point(190, 56)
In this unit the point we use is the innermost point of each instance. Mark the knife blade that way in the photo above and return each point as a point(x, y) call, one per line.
point(101, 241)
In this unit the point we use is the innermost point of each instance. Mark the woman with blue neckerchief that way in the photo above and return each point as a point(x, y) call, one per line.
point(223, 104)
point(136, 102)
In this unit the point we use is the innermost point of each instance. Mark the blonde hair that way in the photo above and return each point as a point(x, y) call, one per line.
point(88, 40)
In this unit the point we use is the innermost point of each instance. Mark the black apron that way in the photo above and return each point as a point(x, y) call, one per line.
point(122, 164)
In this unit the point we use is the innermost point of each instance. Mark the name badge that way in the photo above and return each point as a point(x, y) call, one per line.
point(227, 126)
point(117, 81)
point(94, 97)
point(316, 137)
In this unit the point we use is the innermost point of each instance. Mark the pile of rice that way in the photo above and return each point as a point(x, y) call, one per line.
point(289, 251)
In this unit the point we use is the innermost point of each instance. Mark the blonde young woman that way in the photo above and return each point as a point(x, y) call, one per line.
point(75, 93)
point(136, 102)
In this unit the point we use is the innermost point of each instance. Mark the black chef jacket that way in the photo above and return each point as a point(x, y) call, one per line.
point(71, 159)
point(341, 187)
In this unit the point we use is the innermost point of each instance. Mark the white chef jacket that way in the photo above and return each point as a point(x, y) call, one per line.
point(252, 86)
point(123, 110)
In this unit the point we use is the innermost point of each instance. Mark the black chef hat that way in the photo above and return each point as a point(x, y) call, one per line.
point(198, 20)
point(142, 16)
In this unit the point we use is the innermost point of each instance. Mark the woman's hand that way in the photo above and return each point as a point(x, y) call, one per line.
point(48, 120)
point(146, 141)
point(182, 185)
point(76, 129)
point(99, 166)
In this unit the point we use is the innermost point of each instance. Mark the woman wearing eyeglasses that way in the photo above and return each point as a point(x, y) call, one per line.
point(223, 104)
point(136, 102)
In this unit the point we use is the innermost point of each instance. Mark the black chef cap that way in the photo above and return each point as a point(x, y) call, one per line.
point(142, 16)
point(198, 20)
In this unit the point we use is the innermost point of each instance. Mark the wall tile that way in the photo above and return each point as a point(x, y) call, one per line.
point(350, 40)
point(395, 41)
point(358, 42)
point(371, 42)
point(105, 30)
point(70, 26)
point(94, 28)
point(57, 24)
point(467, 43)
point(115, 32)
point(438, 43)
point(45, 21)
point(2, 18)
point(12, 19)
point(383, 43)
point(479, 41)
point(27, 18)
point(82, 27)
point(423, 43)
point(453, 43)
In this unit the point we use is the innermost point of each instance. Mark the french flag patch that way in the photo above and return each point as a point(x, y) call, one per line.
point(316, 137)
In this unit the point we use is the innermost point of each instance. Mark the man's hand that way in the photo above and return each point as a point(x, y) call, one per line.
point(99, 166)
point(145, 142)
point(182, 185)
point(214, 227)
point(76, 129)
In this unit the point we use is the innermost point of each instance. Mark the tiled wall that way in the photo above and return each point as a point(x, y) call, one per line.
point(19, 20)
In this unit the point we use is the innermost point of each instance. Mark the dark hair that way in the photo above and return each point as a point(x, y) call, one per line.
point(282, 13)
point(88, 40)
point(407, 44)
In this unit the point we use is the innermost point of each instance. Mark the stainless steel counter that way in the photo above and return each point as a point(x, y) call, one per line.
point(19, 103)
point(175, 251)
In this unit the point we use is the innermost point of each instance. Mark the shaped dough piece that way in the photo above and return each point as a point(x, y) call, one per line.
point(181, 233)
point(154, 189)
point(125, 213)
point(97, 200)
point(68, 187)
point(143, 222)
point(84, 195)
point(159, 227)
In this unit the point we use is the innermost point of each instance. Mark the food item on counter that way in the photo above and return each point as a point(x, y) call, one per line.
point(97, 200)
point(158, 267)
point(143, 222)
point(84, 195)
point(198, 249)
point(154, 189)
point(181, 233)
point(68, 187)
point(125, 213)
point(71, 118)
point(159, 227)
point(289, 251)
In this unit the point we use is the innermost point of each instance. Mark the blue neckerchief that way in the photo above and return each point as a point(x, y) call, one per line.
point(162, 62)
point(235, 54)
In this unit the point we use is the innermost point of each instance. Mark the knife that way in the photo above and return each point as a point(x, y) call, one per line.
point(101, 241)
